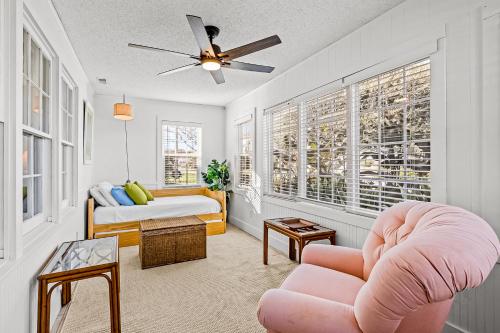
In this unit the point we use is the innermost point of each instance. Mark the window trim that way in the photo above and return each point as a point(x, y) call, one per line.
point(160, 162)
point(435, 51)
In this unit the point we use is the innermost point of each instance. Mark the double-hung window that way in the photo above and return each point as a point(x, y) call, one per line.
point(282, 149)
point(37, 139)
point(363, 147)
point(67, 113)
point(245, 158)
point(180, 153)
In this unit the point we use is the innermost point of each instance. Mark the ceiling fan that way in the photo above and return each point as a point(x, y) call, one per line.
point(211, 57)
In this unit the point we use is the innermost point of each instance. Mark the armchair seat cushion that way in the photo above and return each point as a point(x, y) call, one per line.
point(324, 283)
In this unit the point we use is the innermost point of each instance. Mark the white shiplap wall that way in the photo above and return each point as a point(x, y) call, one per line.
point(468, 30)
point(25, 254)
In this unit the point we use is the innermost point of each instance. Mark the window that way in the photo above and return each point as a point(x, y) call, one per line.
point(245, 157)
point(325, 148)
point(363, 147)
point(37, 140)
point(282, 126)
point(67, 109)
point(393, 129)
point(181, 153)
point(2, 190)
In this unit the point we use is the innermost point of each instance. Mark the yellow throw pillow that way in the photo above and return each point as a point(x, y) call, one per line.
point(136, 194)
point(146, 191)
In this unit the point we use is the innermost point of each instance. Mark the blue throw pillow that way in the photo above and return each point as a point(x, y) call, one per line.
point(121, 196)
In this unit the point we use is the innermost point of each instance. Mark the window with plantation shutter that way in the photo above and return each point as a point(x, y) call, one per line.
point(392, 155)
point(181, 150)
point(324, 147)
point(282, 146)
point(245, 156)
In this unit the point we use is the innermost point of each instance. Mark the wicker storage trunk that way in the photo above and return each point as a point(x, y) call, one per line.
point(171, 240)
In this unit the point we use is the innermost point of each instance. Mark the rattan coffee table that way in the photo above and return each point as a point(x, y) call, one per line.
point(302, 236)
point(172, 240)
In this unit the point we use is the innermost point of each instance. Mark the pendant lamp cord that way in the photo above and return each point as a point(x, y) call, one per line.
point(126, 151)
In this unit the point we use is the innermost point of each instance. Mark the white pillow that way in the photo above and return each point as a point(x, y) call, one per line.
point(98, 197)
point(105, 189)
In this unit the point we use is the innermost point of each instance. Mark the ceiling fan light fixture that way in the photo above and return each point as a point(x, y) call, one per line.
point(210, 64)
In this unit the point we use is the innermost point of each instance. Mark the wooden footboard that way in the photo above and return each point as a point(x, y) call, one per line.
point(128, 232)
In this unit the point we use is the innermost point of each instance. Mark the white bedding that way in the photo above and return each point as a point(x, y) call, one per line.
point(159, 207)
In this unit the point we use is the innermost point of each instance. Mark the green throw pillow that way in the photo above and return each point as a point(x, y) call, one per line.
point(136, 194)
point(146, 191)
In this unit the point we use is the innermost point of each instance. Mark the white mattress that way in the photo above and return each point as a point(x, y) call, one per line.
point(159, 207)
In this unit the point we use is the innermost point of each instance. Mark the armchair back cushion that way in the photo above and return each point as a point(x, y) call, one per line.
point(441, 250)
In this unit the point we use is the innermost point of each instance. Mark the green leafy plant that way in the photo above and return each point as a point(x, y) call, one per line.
point(217, 176)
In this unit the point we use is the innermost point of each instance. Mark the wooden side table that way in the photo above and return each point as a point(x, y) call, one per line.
point(79, 260)
point(301, 236)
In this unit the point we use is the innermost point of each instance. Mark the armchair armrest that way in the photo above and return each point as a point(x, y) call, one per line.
point(339, 258)
point(291, 312)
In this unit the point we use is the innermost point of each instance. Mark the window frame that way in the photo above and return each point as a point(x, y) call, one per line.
point(50, 186)
point(435, 53)
point(160, 164)
point(66, 203)
point(332, 88)
point(268, 146)
point(3, 140)
point(247, 120)
point(379, 109)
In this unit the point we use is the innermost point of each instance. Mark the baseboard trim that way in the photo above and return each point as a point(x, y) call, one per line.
point(276, 243)
point(452, 328)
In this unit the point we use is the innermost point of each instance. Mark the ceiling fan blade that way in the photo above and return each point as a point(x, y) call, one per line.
point(178, 69)
point(218, 76)
point(201, 35)
point(248, 67)
point(250, 48)
point(150, 48)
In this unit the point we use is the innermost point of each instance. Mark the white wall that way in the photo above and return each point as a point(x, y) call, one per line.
point(27, 253)
point(468, 34)
point(109, 158)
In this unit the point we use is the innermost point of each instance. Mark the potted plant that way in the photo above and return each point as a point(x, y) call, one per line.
point(217, 177)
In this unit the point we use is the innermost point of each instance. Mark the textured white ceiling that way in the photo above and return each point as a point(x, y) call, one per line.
point(100, 30)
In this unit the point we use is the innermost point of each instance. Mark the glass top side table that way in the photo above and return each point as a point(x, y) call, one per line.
point(79, 260)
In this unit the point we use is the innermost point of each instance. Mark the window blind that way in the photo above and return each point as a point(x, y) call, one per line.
point(245, 153)
point(363, 147)
point(181, 154)
point(282, 149)
point(324, 147)
point(391, 152)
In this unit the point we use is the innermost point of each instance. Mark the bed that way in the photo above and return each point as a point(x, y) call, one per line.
point(209, 206)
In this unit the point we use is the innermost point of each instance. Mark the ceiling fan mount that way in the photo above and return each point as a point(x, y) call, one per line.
point(211, 57)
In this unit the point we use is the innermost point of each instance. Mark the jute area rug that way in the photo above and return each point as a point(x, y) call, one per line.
point(216, 294)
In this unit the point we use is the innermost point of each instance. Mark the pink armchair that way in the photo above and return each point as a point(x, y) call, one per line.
point(415, 259)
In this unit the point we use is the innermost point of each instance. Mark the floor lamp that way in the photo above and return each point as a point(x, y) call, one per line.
point(123, 111)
